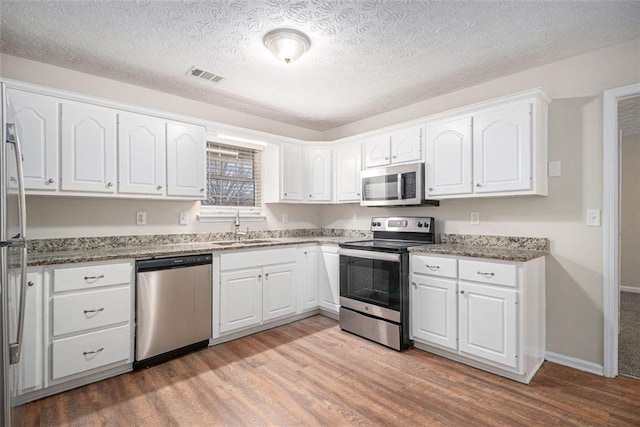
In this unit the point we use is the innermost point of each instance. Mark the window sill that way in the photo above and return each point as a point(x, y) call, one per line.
point(228, 216)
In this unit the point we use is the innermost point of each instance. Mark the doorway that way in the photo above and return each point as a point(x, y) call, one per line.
point(629, 319)
point(611, 223)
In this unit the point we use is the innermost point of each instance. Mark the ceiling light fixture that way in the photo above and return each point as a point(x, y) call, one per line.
point(286, 44)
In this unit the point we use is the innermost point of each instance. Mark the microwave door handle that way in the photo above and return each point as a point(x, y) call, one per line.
point(400, 187)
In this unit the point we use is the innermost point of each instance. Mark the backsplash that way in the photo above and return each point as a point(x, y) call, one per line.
point(88, 243)
point(505, 242)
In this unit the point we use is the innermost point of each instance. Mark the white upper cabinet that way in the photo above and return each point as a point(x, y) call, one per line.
point(377, 149)
point(141, 154)
point(186, 160)
point(36, 120)
point(502, 149)
point(88, 147)
point(406, 144)
point(348, 167)
point(448, 165)
point(318, 174)
point(292, 173)
point(402, 145)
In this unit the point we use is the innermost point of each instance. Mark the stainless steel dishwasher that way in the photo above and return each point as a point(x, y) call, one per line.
point(173, 307)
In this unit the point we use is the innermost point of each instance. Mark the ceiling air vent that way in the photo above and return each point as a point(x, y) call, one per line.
point(203, 74)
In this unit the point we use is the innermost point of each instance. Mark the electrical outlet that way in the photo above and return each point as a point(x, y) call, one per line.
point(141, 218)
point(593, 217)
point(285, 218)
point(474, 218)
point(555, 168)
point(184, 218)
point(355, 217)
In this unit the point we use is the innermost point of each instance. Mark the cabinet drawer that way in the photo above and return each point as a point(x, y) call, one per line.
point(488, 272)
point(434, 266)
point(84, 352)
point(89, 277)
point(88, 310)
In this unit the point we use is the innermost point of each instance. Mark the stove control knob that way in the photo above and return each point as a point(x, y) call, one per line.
point(373, 223)
point(419, 224)
point(378, 223)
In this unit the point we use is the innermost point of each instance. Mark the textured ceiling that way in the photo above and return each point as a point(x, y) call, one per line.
point(366, 57)
point(629, 116)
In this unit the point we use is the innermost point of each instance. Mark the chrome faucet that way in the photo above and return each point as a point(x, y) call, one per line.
point(237, 233)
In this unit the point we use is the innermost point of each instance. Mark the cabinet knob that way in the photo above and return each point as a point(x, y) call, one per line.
point(386, 157)
point(310, 195)
point(259, 276)
point(395, 157)
point(30, 283)
point(285, 194)
point(202, 190)
point(50, 181)
point(159, 187)
point(109, 184)
point(357, 194)
point(415, 285)
point(430, 189)
point(478, 185)
point(462, 291)
point(305, 252)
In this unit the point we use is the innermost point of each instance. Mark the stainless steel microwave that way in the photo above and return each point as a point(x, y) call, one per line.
point(401, 185)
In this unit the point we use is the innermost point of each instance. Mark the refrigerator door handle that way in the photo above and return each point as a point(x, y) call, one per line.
point(22, 203)
point(16, 347)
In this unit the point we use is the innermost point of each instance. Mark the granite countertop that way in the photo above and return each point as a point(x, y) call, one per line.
point(506, 254)
point(39, 258)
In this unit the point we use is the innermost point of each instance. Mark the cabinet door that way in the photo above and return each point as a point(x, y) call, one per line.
point(502, 149)
point(377, 150)
point(318, 171)
point(36, 120)
point(308, 272)
point(279, 291)
point(28, 374)
point(488, 322)
point(88, 147)
point(240, 299)
point(406, 144)
point(329, 280)
point(141, 154)
point(186, 160)
point(292, 164)
point(348, 167)
point(434, 313)
point(449, 158)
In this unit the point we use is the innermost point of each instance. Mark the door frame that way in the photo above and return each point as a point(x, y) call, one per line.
point(611, 223)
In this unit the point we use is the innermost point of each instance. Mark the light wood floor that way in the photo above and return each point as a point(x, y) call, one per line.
point(311, 373)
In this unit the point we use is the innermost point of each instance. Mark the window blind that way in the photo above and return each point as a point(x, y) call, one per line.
point(233, 176)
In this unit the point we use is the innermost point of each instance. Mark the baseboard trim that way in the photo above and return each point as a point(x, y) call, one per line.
point(572, 362)
point(632, 289)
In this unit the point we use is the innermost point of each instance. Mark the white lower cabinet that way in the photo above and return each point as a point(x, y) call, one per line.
point(329, 279)
point(28, 372)
point(308, 270)
point(486, 313)
point(256, 287)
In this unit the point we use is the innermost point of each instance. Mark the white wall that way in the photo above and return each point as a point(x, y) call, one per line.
point(630, 211)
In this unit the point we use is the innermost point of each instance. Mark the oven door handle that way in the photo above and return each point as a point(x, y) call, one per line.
point(378, 256)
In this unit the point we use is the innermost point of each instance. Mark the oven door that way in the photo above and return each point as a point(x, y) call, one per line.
point(370, 282)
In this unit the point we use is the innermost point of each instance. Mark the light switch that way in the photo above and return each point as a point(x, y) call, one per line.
point(593, 217)
point(475, 218)
point(555, 168)
point(184, 218)
point(141, 218)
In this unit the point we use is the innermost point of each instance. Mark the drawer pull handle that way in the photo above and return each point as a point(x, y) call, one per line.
point(433, 267)
point(87, 353)
point(95, 310)
point(94, 277)
point(485, 274)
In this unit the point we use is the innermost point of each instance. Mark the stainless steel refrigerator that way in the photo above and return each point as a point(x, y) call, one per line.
point(13, 258)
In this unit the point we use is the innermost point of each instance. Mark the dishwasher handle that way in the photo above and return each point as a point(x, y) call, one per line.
point(173, 262)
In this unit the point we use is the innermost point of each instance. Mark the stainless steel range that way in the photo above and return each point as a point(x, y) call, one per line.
point(374, 279)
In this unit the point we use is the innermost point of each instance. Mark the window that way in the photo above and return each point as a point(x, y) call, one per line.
point(233, 180)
